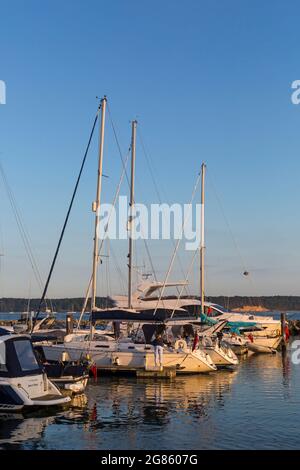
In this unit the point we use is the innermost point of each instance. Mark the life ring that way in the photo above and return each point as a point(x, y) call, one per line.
point(180, 344)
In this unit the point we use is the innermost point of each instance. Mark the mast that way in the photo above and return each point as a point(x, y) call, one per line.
point(131, 205)
point(96, 203)
point(202, 244)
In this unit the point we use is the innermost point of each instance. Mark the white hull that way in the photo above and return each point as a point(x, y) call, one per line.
point(238, 349)
point(262, 344)
point(222, 357)
point(35, 391)
point(134, 358)
point(71, 386)
point(142, 300)
point(22, 381)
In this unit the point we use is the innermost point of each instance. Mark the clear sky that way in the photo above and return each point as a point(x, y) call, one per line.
point(207, 80)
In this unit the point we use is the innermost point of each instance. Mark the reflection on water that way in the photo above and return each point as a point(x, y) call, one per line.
point(256, 406)
point(15, 429)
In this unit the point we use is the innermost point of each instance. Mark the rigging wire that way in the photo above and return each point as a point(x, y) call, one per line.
point(127, 179)
point(118, 143)
point(23, 232)
point(177, 244)
point(105, 230)
point(152, 173)
point(243, 264)
point(67, 218)
point(108, 283)
point(186, 280)
point(119, 271)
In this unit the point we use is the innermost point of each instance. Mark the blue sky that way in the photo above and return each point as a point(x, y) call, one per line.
point(207, 80)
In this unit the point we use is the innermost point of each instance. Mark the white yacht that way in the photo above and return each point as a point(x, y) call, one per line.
point(125, 355)
point(266, 332)
point(136, 351)
point(129, 353)
point(262, 331)
point(105, 352)
point(147, 296)
point(23, 384)
point(221, 353)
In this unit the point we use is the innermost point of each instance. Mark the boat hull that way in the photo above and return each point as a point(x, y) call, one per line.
point(15, 398)
point(222, 357)
point(264, 344)
point(133, 358)
point(70, 386)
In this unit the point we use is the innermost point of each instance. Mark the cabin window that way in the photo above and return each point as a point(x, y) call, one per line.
point(25, 355)
point(212, 312)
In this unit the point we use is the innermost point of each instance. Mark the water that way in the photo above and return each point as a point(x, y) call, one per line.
point(255, 406)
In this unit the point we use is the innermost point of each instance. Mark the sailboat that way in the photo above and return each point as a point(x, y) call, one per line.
point(23, 383)
point(104, 350)
point(261, 334)
point(220, 354)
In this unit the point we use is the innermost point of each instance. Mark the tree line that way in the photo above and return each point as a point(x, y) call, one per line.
point(58, 305)
point(273, 303)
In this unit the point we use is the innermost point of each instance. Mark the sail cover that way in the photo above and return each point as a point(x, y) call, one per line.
point(149, 316)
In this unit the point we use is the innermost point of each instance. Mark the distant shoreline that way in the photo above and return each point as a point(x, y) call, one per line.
point(251, 308)
point(263, 304)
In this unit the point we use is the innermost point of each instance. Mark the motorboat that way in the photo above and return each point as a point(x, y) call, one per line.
point(267, 331)
point(221, 354)
point(209, 339)
point(69, 376)
point(23, 383)
point(147, 296)
point(237, 343)
point(129, 353)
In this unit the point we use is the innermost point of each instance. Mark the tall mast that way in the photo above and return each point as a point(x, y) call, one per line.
point(202, 244)
point(96, 203)
point(131, 205)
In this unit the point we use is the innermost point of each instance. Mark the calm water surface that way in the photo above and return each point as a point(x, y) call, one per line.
point(255, 406)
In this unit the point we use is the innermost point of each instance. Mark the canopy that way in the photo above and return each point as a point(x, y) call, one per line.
point(148, 316)
point(18, 358)
point(4, 332)
point(234, 325)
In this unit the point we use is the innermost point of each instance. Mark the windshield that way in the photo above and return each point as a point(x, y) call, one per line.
point(222, 309)
point(25, 355)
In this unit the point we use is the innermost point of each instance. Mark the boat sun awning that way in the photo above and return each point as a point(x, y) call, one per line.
point(145, 316)
point(17, 358)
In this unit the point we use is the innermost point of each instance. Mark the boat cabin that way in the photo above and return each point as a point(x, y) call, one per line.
point(17, 357)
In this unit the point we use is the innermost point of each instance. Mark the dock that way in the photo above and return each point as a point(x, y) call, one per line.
point(157, 373)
